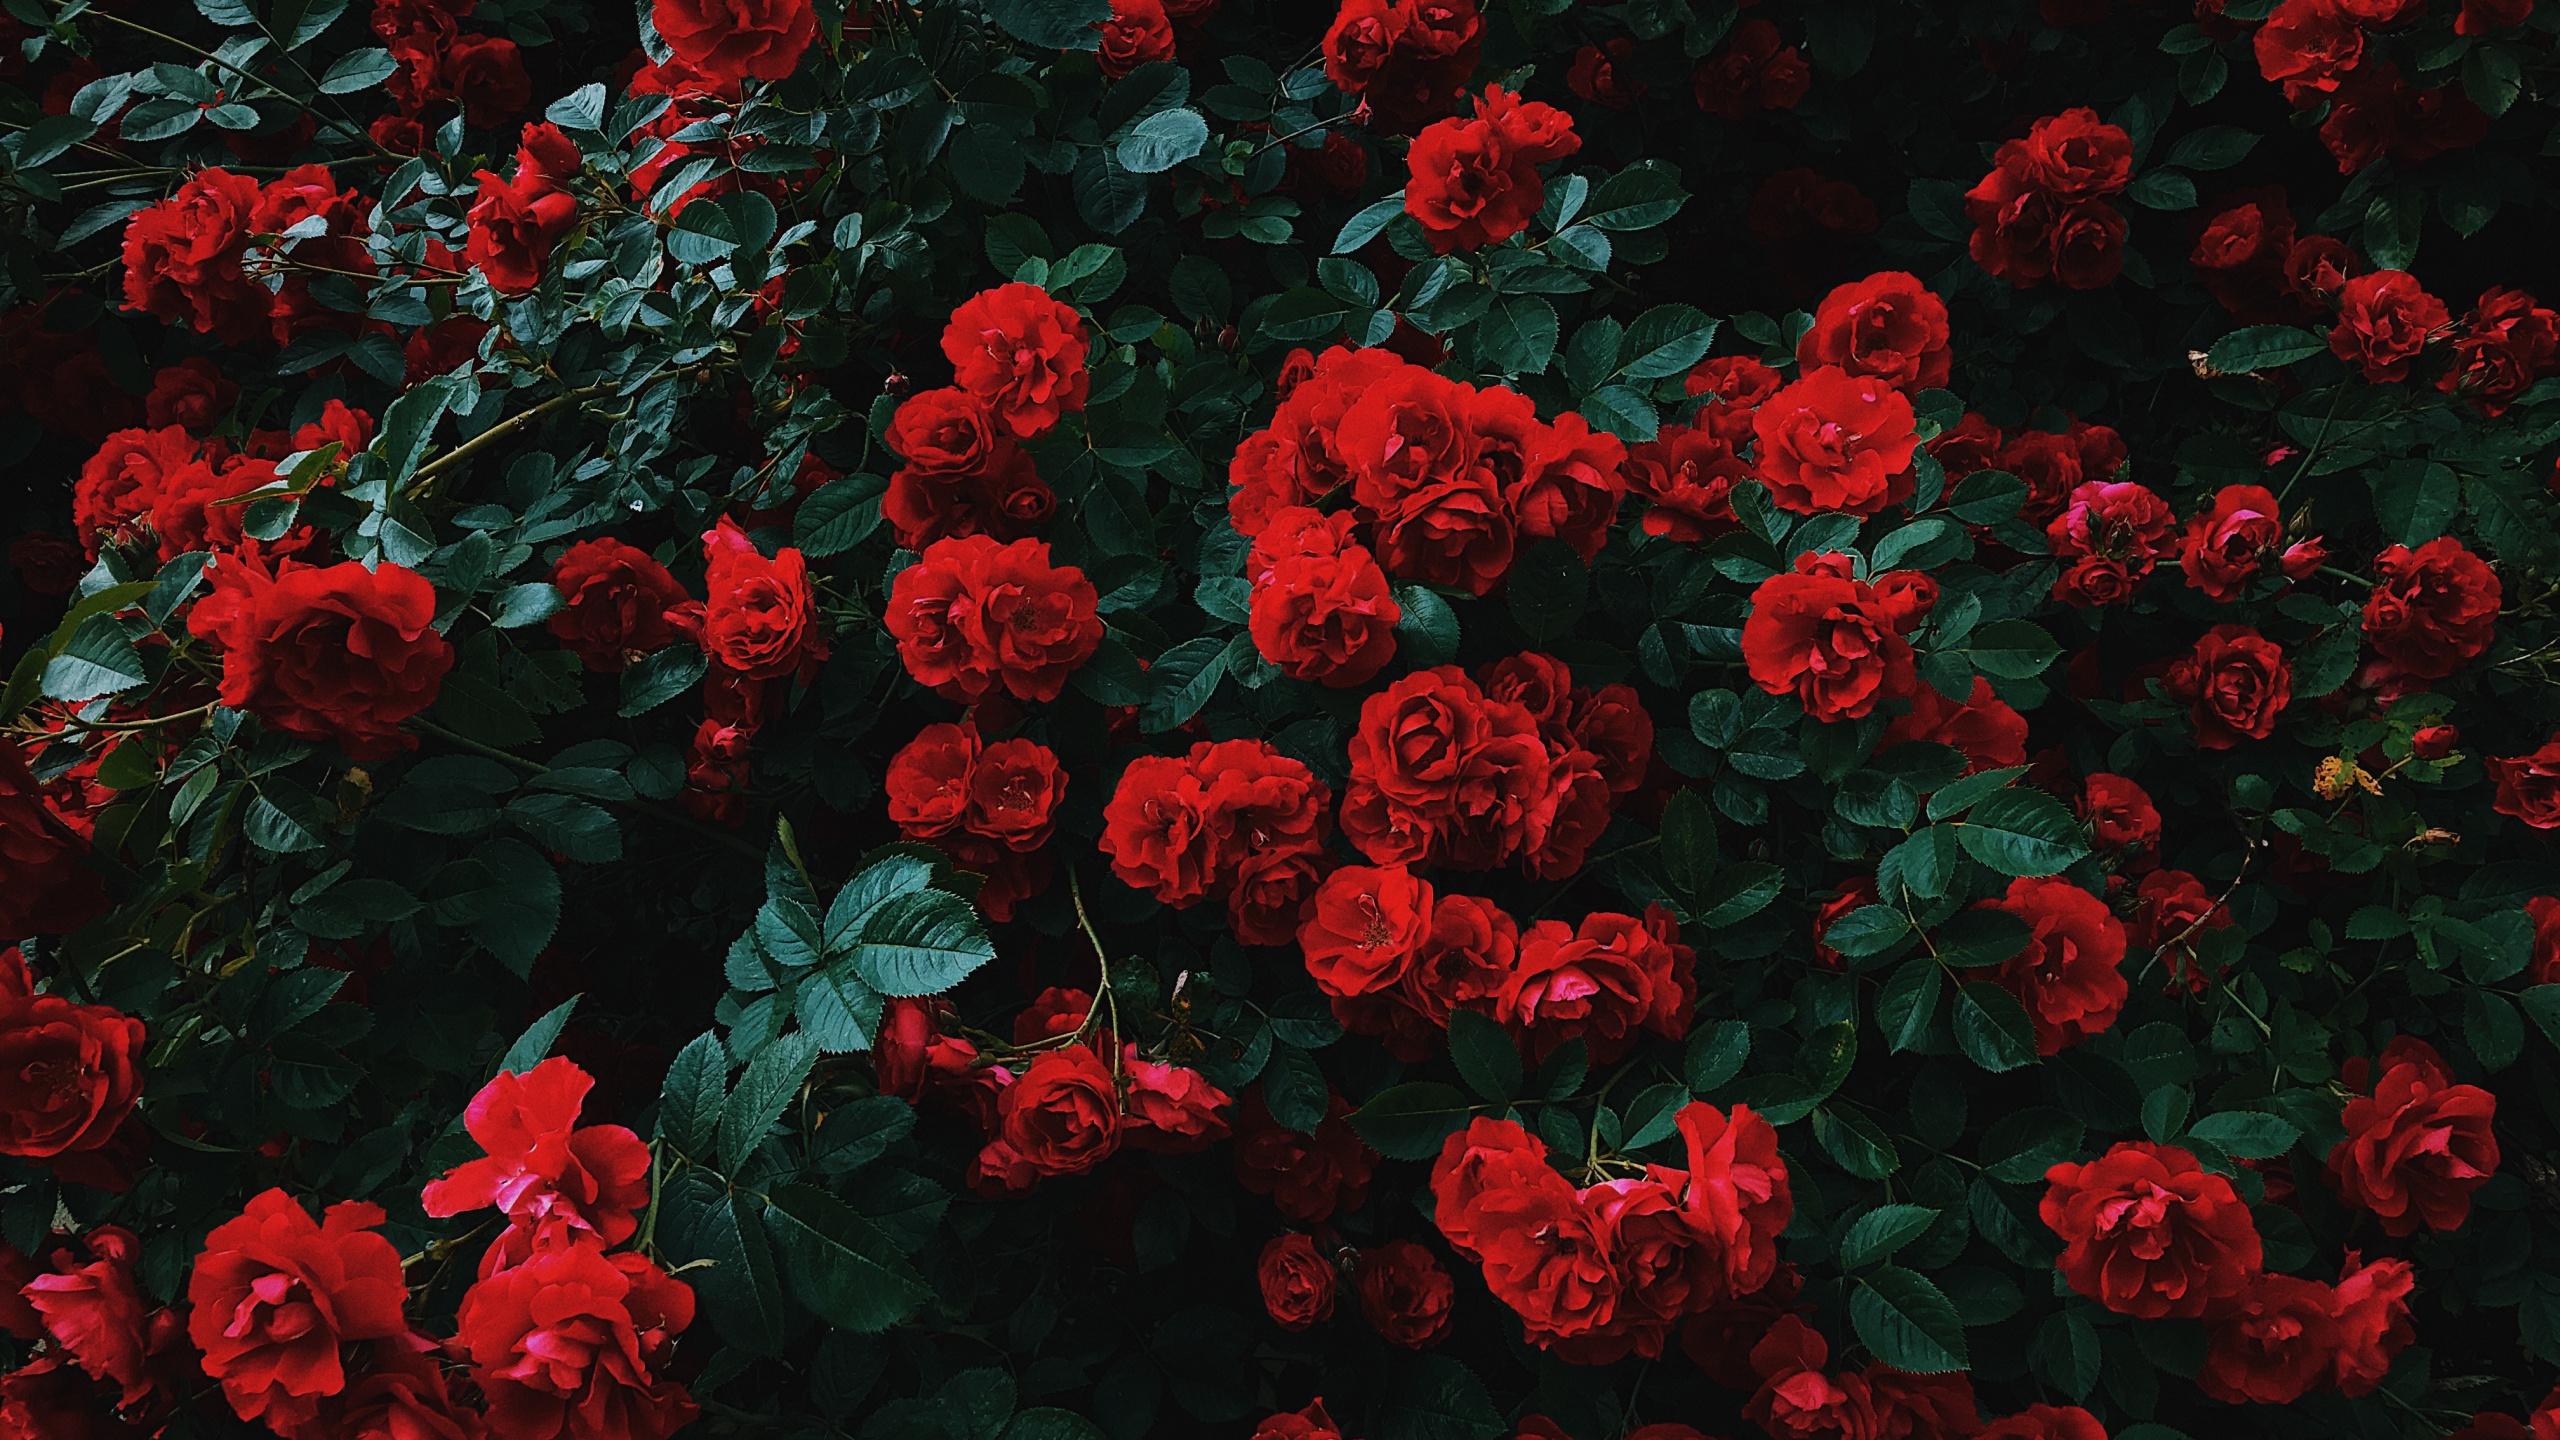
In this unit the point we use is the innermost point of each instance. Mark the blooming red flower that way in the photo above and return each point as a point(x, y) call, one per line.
point(69, 1073)
point(2148, 1232)
point(542, 1170)
point(1686, 478)
point(1404, 1294)
point(732, 40)
point(2172, 907)
point(2225, 548)
point(1060, 1116)
point(1600, 983)
point(2417, 1145)
point(1407, 59)
point(91, 1306)
point(1984, 727)
point(1441, 773)
point(1475, 182)
point(192, 394)
point(1321, 608)
point(613, 603)
point(2235, 684)
point(973, 615)
point(759, 621)
point(1835, 441)
point(2242, 246)
point(2505, 344)
point(1169, 1109)
point(965, 474)
point(1308, 1177)
point(2272, 1343)
point(2384, 320)
point(1363, 928)
point(182, 259)
point(1829, 641)
point(2067, 976)
point(2371, 1306)
point(2529, 785)
point(1887, 327)
point(2432, 610)
point(574, 1344)
point(2046, 1422)
point(120, 483)
point(1594, 75)
point(487, 75)
point(2308, 46)
point(332, 654)
point(1297, 1282)
point(1756, 71)
point(274, 1296)
point(2114, 533)
point(1138, 33)
point(516, 222)
point(1312, 1423)
point(1022, 353)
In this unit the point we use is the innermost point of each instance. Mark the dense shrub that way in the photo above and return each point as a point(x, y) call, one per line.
point(1024, 719)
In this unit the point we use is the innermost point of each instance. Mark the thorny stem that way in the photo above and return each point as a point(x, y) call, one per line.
point(498, 434)
point(1104, 995)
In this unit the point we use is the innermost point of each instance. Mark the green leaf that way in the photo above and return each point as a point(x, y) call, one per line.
point(1867, 930)
point(1715, 1055)
point(2263, 347)
point(2012, 650)
point(2542, 1002)
point(100, 659)
point(1855, 1143)
point(2022, 832)
point(1923, 864)
point(1550, 588)
point(1181, 681)
point(773, 1078)
point(689, 1101)
point(2247, 1133)
point(1163, 140)
point(567, 826)
point(2492, 1028)
point(1739, 892)
point(1517, 337)
point(2215, 147)
point(1665, 341)
point(1971, 938)
point(1047, 1422)
point(2019, 1147)
point(2415, 501)
point(1882, 1231)
point(1992, 1028)
point(1364, 227)
point(921, 943)
point(288, 828)
point(661, 677)
point(1052, 24)
point(519, 913)
point(1908, 1322)
point(1907, 1002)
point(1294, 1089)
point(1436, 1398)
point(1408, 1122)
point(1639, 197)
point(1485, 1055)
point(741, 1290)
point(2163, 190)
point(1427, 635)
point(534, 1045)
point(839, 1264)
point(358, 70)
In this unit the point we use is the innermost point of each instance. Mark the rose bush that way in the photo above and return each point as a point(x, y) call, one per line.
point(1400, 720)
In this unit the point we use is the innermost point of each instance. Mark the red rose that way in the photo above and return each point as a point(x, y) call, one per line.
point(973, 615)
point(2171, 908)
point(72, 1071)
point(1408, 61)
point(1600, 983)
point(404, 1397)
point(2483, 17)
point(514, 224)
point(2529, 785)
point(487, 75)
point(182, 259)
point(45, 888)
point(2432, 610)
point(2384, 320)
point(1321, 609)
point(2116, 529)
point(2318, 268)
point(330, 654)
point(1475, 182)
point(2434, 742)
point(541, 1170)
point(1015, 788)
point(1308, 1424)
point(1569, 484)
point(1441, 773)
point(1990, 734)
point(2046, 1422)
point(1737, 385)
point(2148, 1232)
point(1138, 33)
point(2418, 1145)
point(2073, 155)
point(758, 621)
point(274, 1296)
point(350, 430)
point(732, 40)
point(1796, 1399)
point(1738, 1193)
point(1829, 641)
point(964, 474)
point(2308, 46)
point(1834, 441)
point(119, 484)
point(1490, 1168)
point(1308, 1177)
point(190, 393)
point(92, 1309)
point(1299, 458)
point(1757, 71)
point(2371, 1305)
point(2506, 343)
point(2376, 115)
point(1061, 1115)
point(575, 1343)
point(1363, 928)
point(46, 563)
point(1887, 327)
point(1022, 353)
point(1594, 75)
point(2225, 548)
point(614, 600)
point(1156, 829)
point(2235, 684)
point(2241, 249)
point(2067, 976)
point(1172, 1109)
point(2545, 913)
point(191, 512)
point(1405, 1295)
point(1686, 478)
point(2272, 1343)
point(1297, 1282)
point(1973, 444)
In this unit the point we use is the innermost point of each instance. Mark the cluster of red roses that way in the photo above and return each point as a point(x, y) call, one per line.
point(1798, 1398)
point(516, 221)
point(1755, 71)
point(1608, 1270)
point(1404, 1293)
point(2387, 321)
point(1515, 764)
point(1448, 480)
point(1018, 359)
point(1407, 60)
point(436, 62)
point(74, 1070)
point(2042, 212)
point(1321, 608)
point(188, 260)
point(1078, 1098)
point(165, 490)
point(990, 807)
point(1475, 182)
point(302, 1323)
point(2326, 53)
point(1232, 819)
